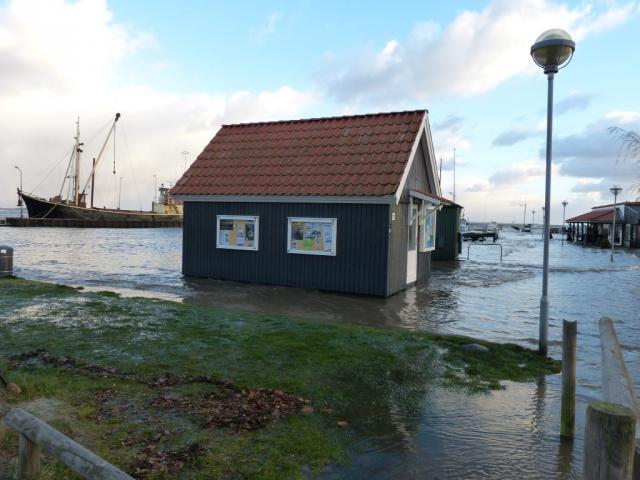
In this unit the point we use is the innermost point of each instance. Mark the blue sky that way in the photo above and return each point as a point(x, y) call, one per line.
point(178, 71)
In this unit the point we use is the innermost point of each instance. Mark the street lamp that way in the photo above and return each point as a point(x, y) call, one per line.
point(155, 188)
point(185, 153)
point(533, 217)
point(564, 208)
point(551, 51)
point(615, 190)
point(20, 193)
point(543, 217)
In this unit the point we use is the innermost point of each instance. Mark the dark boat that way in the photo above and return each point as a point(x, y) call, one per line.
point(41, 208)
point(75, 207)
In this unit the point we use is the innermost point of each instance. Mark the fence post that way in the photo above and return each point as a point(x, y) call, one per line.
point(609, 442)
point(617, 386)
point(28, 459)
point(568, 409)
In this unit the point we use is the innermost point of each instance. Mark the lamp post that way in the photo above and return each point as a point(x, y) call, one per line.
point(615, 190)
point(551, 51)
point(543, 217)
point(19, 195)
point(564, 208)
point(533, 217)
point(155, 188)
point(184, 154)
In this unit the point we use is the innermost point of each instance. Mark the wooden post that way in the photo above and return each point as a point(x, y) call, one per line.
point(34, 431)
point(636, 462)
point(28, 459)
point(609, 442)
point(617, 386)
point(568, 409)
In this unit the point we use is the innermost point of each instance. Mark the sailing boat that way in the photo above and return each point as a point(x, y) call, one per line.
point(75, 206)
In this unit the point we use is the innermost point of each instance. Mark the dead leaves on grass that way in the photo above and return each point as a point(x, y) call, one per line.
point(41, 356)
point(222, 405)
point(234, 408)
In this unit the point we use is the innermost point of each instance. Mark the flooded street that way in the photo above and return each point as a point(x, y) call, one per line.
point(505, 434)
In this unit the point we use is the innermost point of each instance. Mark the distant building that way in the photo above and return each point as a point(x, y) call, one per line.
point(595, 226)
point(343, 204)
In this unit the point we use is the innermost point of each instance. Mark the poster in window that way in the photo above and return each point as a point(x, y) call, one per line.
point(237, 232)
point(429, 231)
point(314, 236)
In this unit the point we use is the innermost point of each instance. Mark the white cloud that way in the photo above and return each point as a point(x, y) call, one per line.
point(587, 185)
point(623, 117)
point(268, 28)
point(57, 46)
point(447, 135)
point(518, 172)
point(472, 55)
point(56, 77)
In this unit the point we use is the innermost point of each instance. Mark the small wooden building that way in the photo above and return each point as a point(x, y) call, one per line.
point(596, 226)
point(342, 204)
point(448, 237)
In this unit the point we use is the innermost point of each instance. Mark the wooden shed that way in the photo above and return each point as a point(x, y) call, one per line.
point(343, 204)
point(448, 237)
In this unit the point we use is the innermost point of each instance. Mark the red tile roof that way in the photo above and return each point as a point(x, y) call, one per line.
point(339, 156)
point(596, 216)
point(630, 203)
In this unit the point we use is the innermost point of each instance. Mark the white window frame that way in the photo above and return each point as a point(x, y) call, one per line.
point(422, 247)
point(334, 229)
point(256, 231)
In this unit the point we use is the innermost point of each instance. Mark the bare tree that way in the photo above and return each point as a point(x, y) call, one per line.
point(629, 147)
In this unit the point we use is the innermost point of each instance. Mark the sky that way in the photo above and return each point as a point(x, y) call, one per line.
point(176, 71)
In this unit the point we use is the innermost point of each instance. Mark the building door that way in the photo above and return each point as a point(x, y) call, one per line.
point(412, 245)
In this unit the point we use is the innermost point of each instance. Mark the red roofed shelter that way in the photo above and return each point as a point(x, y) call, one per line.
point(595, 227)
point(342, 203)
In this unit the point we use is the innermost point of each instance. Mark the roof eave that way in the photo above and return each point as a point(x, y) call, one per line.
point(382, 199)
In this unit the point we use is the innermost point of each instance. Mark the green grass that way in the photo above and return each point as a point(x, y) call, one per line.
point(360, 374)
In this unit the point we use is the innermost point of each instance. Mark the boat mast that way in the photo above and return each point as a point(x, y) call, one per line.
point(78, 150)
point(93, 180)
point(99, 157)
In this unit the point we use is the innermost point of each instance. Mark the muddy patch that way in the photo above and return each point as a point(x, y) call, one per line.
point(41, 357)
point(227, 405)
point(152, 458)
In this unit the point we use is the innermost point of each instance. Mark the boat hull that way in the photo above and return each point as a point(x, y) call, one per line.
point(41, 208)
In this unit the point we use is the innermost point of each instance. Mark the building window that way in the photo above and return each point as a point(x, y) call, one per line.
point(237, 232)
point(312, 236)
point(428, 229)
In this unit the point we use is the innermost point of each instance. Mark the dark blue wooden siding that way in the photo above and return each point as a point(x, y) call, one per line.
point(448, 239)
point(360, 264)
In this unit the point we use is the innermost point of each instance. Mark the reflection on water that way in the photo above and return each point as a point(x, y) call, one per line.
point(506, 434)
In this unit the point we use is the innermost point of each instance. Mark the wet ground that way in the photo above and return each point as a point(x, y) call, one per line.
point(505, 434)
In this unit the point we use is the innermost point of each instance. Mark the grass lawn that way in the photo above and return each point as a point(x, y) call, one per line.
point(166, 390)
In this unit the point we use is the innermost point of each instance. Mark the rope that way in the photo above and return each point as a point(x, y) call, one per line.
point(46, 176)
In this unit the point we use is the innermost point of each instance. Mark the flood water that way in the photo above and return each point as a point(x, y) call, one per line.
point(511, 433)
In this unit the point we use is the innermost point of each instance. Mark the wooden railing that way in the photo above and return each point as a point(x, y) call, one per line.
point(36, 435)
point(611, 426)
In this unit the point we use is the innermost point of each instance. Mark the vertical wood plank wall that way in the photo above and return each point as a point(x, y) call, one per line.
point(360, 265)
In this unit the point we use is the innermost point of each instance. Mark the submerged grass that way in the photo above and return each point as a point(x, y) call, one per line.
point(362, 375)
